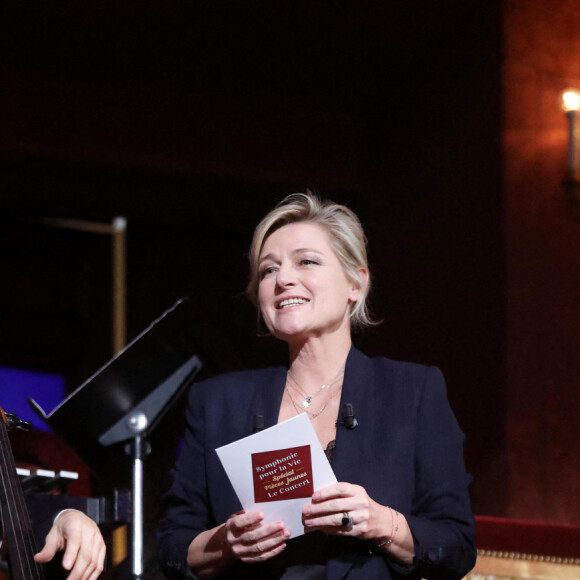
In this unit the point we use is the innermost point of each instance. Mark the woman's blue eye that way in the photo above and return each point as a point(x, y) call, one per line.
point(307, 262)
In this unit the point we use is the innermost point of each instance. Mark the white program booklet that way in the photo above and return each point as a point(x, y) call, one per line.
point(275, 471)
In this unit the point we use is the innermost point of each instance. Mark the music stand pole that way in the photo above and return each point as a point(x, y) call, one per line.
point(140, 449)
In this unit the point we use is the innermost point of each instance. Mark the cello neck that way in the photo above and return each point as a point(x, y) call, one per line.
point(13, 510)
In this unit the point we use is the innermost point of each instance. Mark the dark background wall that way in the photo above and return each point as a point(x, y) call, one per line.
point(191, 119)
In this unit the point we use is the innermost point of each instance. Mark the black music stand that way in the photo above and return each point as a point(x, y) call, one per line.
point(127, 397)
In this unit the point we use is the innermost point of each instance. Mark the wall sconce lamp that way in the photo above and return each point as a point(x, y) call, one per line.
point(571, 106)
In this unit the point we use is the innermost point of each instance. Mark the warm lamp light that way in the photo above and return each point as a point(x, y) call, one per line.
point(571, 106)
point(571, 100)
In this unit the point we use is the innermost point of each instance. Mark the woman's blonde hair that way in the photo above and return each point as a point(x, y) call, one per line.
point(345, 233)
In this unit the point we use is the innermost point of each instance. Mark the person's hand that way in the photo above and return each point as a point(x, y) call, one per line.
point(80, 538)
point(251, 541)
point(344, 509)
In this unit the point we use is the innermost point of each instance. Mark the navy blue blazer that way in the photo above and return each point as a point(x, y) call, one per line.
point(407, 452)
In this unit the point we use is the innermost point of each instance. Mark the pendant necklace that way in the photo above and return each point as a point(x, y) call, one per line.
point(300, 409)
point(306, 401)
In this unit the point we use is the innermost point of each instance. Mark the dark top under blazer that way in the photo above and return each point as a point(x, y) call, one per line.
point(407, 452)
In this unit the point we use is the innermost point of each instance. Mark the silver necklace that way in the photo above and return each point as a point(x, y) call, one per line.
point(306, 401)
point(300, 409)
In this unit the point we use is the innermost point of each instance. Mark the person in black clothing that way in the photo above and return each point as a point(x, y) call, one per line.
point(401, 506)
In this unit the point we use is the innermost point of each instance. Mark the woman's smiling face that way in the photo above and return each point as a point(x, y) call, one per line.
point(304, 291)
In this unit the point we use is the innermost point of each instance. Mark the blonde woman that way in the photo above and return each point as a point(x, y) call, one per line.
point(401, 508)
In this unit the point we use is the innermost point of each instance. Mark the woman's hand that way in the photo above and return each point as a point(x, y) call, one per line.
point(80, 538)
point(242, 537)
point(330, 505)
point(344, 509)
point(251, 541)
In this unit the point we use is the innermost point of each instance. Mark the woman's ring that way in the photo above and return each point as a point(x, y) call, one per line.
point(346, 520)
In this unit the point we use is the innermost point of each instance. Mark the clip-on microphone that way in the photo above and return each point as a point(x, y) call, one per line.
point(348, 418)
point(258, 423)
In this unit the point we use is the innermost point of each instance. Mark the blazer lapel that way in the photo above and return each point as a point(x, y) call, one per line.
point(272, 394)
point(357, 391)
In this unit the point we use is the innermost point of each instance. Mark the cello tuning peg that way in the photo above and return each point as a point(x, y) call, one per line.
point(15, 423)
